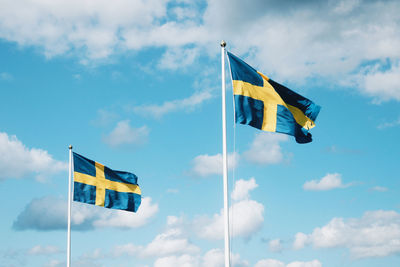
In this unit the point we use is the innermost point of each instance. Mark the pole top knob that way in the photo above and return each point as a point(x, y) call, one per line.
point(223, 43)
point(70, 146)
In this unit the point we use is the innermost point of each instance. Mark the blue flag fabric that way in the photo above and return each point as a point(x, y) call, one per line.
point(269, 106)
point(99, 185)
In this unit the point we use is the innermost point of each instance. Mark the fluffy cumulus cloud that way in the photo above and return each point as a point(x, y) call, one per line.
point(242, 189)
point(172, 261)
point(300, 241)
point(212, 258)
point(215, 258)
point(17, 160)
point(276, 263)
point(171, 242)
point(123, 134)
point(353, 40)
point(375, 234)
point(382, 84)
point(247, 217)
point(328, 182)
point(96, 29)
point(205, 165)
point(50, 213)
point(266, 148)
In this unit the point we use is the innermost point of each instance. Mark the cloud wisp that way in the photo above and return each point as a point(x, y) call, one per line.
point(126, 135)
point(186, 104)
point(328, 182)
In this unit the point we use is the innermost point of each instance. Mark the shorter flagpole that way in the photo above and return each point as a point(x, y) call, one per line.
point(69, 209)
point(225, 160)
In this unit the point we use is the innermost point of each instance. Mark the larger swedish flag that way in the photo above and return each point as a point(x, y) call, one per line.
point(269, 106)
point(97, 184)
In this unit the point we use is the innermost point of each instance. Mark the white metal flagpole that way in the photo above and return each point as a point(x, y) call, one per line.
point(69, 209)
point(225, 161)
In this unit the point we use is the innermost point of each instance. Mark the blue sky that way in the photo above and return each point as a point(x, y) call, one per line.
point(135, 85)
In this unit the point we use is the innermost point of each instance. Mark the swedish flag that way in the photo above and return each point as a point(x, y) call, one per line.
point(97, 184)
point(269, 106)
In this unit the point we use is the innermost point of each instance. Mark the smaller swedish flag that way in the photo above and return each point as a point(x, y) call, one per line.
point(98, 185)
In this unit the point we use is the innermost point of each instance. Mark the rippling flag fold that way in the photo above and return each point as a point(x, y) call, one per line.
point(269, 106)
point(99, 185)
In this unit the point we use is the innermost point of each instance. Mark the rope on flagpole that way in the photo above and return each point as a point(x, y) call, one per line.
point(234, 158)
point(69, 209)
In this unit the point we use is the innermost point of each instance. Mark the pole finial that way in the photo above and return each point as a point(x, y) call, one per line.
point(70, 146)
point(223, 43)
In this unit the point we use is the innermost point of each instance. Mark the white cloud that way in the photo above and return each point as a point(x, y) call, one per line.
point(375, 234)
point(276, 263)
point(215, 258)
point(173, 190)
point(300, 241)
point(186, 104)
point(104, 117)
point(124, 134)
point(242, 189)
point(41, 250)
point(171, 248)
point(383, 85)
point(168, 243)
point(328, 182)
point(82, 26)
point(178, 58)
point(55, 263)
point(16, 160)
point(314, 263)
point(43, 214)
point(173, 261)
point(275, 245)
point(269, 263)
point(330, 40)
point(171, 242)
point(266, 149)
point(389, 124)
point(246, 218)
point(204, 165)
point(123, 219)
point(379, 189)
point(50, 213)
point(344, 7)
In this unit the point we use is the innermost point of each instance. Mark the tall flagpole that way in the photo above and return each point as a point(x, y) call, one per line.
point(225, 160)
point(69, 209)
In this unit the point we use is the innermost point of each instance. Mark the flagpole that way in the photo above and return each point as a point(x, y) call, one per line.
point(69, 209)
point(225, 161)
